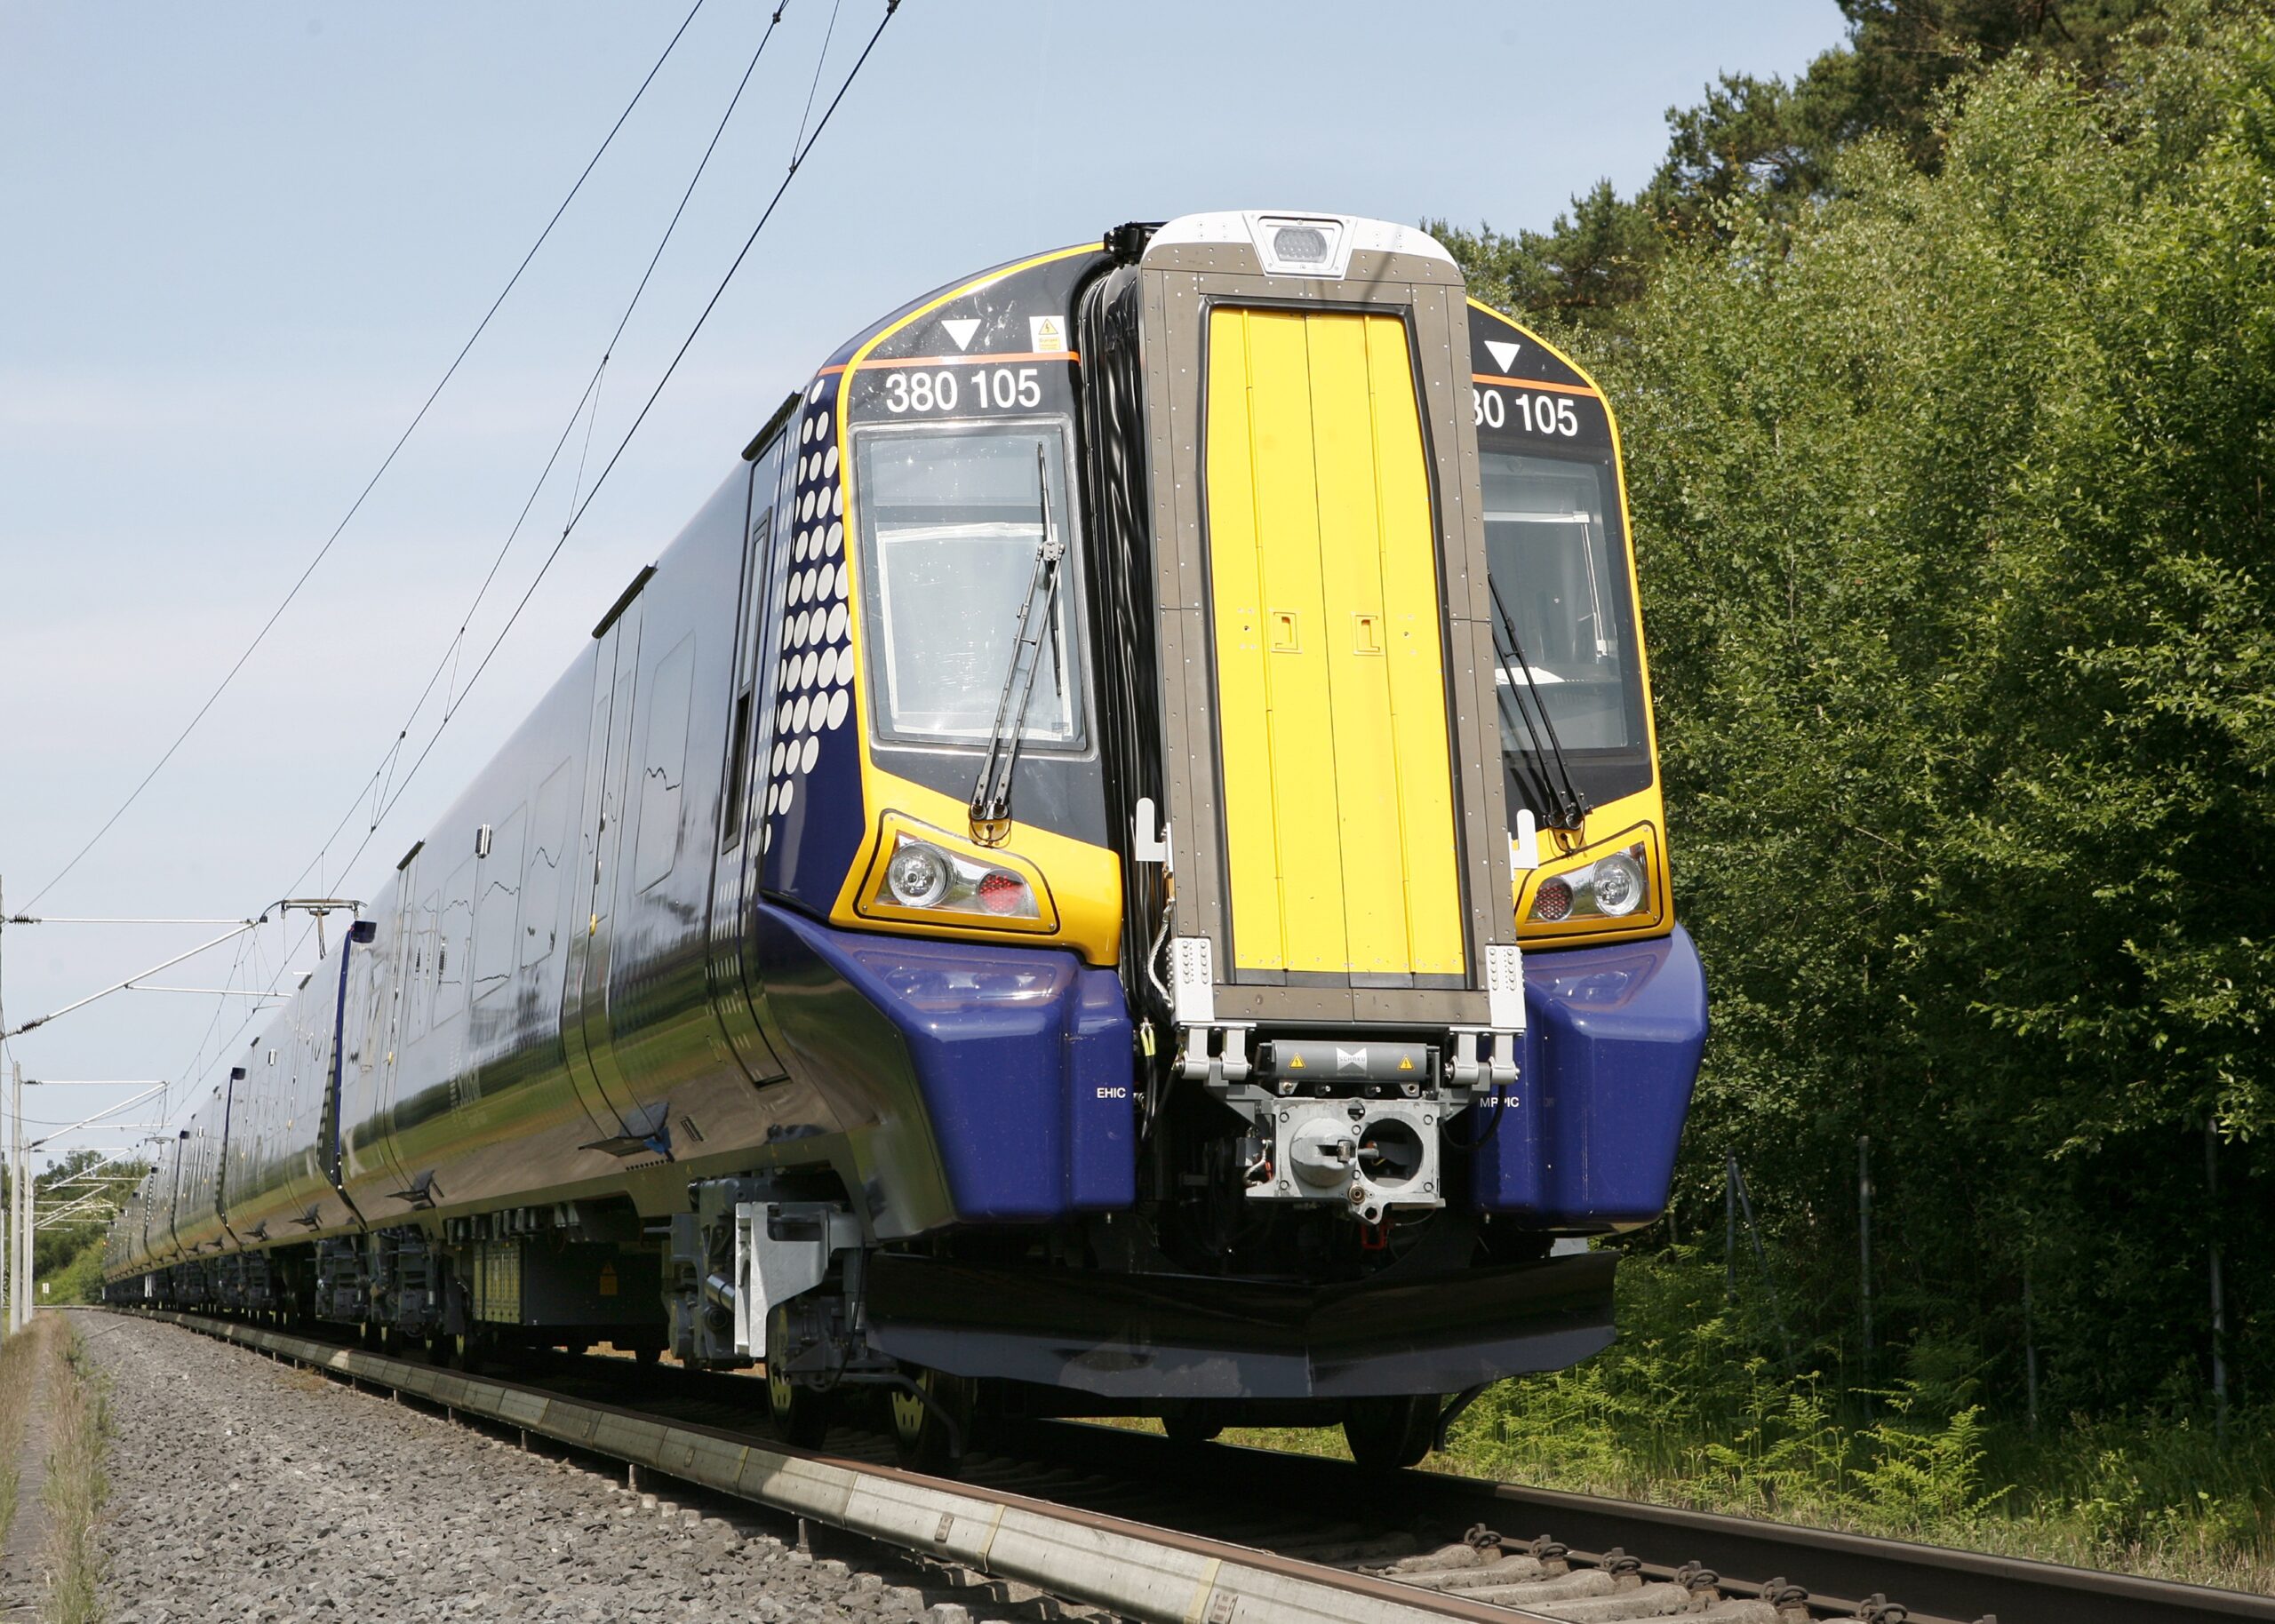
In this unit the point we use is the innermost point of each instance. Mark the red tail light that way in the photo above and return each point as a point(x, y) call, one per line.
point(1003, 892)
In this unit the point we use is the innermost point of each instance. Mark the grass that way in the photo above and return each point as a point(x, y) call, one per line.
point(76, 1487)
point(18, 1356)
point(1686, 1410)
point(307, 1380)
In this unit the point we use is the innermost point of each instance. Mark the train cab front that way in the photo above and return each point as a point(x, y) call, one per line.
point(1153, 762)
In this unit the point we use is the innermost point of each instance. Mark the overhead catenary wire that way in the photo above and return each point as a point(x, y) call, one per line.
point(381, 783)
point(196, 1066)
point(821, 57)
point(190, 1095)
point(189, 1074)
point(51, 919)
point(30, 1121)
point(797, 159)
point(170, 1109)
point(262, 999)
point(119, 986)
point(89, 1121)
point(380, 473)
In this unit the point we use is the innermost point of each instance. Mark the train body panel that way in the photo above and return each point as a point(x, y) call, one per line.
point(276, 1179)
point(566, 1033)
point(1120, 851)
point(1611, 1050)
point(1020, 1062)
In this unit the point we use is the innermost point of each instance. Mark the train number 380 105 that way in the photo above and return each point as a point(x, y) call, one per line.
point(1536, 414)
point(996, 389)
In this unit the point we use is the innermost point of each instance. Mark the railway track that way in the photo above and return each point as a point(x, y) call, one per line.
point(1135, 1526)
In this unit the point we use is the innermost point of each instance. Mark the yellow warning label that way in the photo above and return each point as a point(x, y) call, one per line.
point(1296, 1063)
point(1406, 1064)
point(1046, 334)
point(607, 1279)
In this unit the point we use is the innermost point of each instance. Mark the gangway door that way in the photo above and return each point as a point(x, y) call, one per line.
point(1340, 846)
point(1330, 656)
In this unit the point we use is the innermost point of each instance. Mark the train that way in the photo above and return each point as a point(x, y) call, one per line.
point(1115, 867)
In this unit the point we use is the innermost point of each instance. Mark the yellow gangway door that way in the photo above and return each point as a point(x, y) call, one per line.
point(1330, 671)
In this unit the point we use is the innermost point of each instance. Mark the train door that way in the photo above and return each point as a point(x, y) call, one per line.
point(368, 1080)
point(339, 1058)
point(1324, 578)
point(1325, 684)
point(584, 1015)
point(739, 994)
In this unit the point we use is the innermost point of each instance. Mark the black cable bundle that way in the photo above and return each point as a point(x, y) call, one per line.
point(1122, 589)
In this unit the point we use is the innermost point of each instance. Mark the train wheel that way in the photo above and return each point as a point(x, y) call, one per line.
point(922, 1434)
point(1386, 1433)
point(801, 1414)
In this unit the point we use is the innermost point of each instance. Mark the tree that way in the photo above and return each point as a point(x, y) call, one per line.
point(1950, 498)
point(1756, 151)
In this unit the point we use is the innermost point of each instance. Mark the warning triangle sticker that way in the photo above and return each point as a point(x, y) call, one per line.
point(961, 329)
point(1504, 352)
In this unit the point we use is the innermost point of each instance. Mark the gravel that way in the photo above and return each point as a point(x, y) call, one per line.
point(250, 1491)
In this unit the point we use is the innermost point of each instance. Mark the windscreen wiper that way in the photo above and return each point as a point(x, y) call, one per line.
point(991, 797)
point(1565, 808)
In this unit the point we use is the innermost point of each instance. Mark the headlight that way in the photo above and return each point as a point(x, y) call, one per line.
point(921, 875)
point(1617, 883)
point(1611, 887)
point(917, 877)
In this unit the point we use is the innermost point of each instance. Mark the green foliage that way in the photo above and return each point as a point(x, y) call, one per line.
point(1680, 1412)
point(101, 1187)
point(1948, 434)
point(1584, 272)
point(1682, 1407)
point(1761, 153)
point(19, 1380)
point(1954, 551)
point(80, 1279)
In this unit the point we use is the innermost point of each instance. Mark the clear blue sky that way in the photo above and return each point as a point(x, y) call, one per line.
point(238, 244)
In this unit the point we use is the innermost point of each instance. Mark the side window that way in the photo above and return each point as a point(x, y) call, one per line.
point(737, 774)
point(730, 818)
point(496, 908)
point(663, 770)
point(548, 845)
point(455, 937)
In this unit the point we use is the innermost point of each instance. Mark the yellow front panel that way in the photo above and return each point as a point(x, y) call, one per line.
point(1331, 682)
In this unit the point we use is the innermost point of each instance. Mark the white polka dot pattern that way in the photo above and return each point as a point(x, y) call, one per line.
point(814, 678)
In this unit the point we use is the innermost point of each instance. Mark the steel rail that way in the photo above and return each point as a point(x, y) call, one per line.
point(1134, 1569)
point(1938, 1585)
point(1934, 1583)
